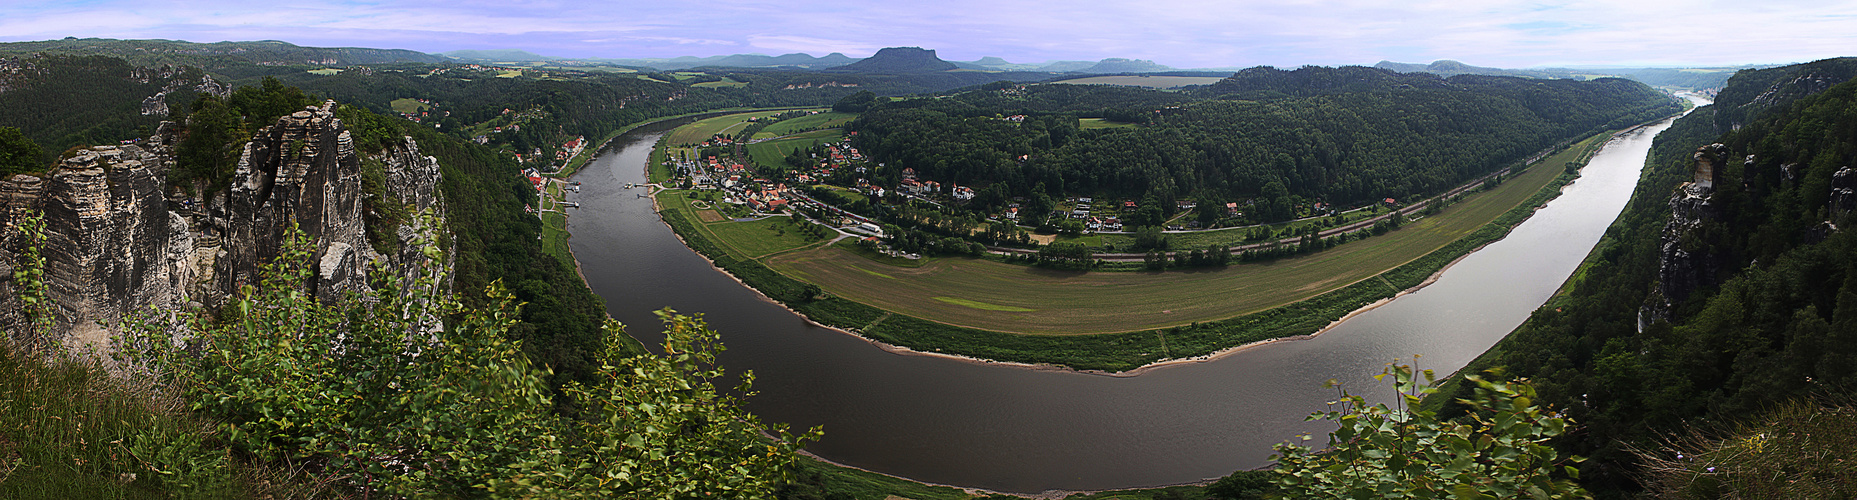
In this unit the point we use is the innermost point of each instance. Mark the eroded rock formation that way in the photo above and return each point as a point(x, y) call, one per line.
point(116, 243)
point(1686, 265)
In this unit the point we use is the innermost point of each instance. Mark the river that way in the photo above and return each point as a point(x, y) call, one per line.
point(1014, 429)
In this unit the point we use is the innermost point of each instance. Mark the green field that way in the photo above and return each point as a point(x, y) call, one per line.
point(325, 72)
point(792, 125)
point(407, 105)
point(702, 130)
point(775, 152)
point(726, 82)
point(1096, 123)
point(1070, 302)
point(554, 225)
point(759, 238)
point(745, 240)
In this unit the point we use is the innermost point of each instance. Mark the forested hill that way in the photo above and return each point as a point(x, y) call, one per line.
point(1339, 135)
point(1704, 307)
point(60, 101)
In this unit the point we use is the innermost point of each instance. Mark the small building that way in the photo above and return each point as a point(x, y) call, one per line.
point(963, 193)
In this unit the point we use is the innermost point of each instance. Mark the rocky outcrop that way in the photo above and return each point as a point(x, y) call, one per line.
point(116, 243)
point(1843, 191)
point(107, 234)
point(304, 171)
point(1686, 264)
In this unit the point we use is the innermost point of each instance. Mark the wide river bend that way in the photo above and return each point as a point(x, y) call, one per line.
point(1014, 429)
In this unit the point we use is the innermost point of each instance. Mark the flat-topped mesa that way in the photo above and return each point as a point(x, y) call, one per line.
point(301, 170)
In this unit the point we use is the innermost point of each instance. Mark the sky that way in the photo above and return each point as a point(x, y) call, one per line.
point(1178, 33)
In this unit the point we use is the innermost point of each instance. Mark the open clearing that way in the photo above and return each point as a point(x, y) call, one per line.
point(792, 125)
point(1072, 302)
point(407, 105)
point(702, 130)
point(725, 82)
point(1096, 123)
point(1154, 82)
point(775, 152)
point(751, 239)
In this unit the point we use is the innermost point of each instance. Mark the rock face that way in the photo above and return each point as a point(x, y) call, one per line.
point(1685, 266)
point(1843, 191)
point(117, 244)
point(302, 170)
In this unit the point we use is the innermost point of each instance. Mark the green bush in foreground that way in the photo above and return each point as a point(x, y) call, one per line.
point(1498, 451)
point(389, 394)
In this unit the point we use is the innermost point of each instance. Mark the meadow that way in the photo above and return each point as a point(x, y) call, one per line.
point(795, 125)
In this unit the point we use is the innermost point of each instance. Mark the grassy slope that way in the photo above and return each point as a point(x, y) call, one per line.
point(69, 430)
point(789, 126)
point(775, 152)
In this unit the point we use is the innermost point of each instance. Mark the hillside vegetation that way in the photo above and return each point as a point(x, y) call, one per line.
point(1349, 136)
point(1762, 282)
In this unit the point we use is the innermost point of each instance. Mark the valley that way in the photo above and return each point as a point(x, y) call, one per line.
point(249, 269)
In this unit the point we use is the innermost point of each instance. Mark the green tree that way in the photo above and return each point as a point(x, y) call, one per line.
point(1498, 451)
point(413, 395)
point(209, 150)
point(18, 154)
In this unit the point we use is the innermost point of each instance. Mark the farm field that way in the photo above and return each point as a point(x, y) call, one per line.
point(749, 240)
point(1156, 82)
point(407, 105)
point(703, 129)
point(775, 152)
point(1071, 302)
point(789, 126)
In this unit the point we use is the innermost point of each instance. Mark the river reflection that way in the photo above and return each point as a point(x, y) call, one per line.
point(1021, 430)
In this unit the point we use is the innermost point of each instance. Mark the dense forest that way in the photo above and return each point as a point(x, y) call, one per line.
point(1746, 304)
point(1348, 136)
point(61, 101)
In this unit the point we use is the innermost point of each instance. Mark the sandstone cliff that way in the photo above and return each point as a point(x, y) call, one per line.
point(119, 242)
point(1685, 264)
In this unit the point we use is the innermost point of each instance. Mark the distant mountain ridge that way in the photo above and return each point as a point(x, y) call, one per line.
point(1689, 78)
point(1119, 65)
point(1448, 68)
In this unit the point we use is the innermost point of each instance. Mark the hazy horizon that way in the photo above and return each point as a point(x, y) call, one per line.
point(1178, 33)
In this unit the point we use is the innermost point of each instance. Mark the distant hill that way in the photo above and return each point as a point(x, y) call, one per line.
point(899, 60)
point(1067, 66)
point(1448, 68)
point(268, 52)
point(1119, 65)
point(994, 63)
point(794, 60)
point(1688, 78)
point(497, 55)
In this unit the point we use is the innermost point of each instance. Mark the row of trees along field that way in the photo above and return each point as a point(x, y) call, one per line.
point(1386, 136)
point(1772, 322)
